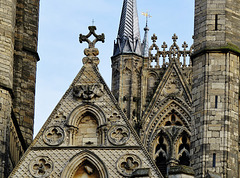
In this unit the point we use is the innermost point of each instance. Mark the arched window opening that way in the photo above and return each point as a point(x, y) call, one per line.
point(184, 150)
point(184, 159)
point(86, 170)
point(87, 134)
point(161, 155)
point(161, 163)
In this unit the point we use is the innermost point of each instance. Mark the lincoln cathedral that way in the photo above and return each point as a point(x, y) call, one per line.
point(172, 110)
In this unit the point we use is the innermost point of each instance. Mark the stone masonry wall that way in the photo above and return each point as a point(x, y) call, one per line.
point(215, 87)
point(7, 25)
point(5, 116)
point(126, 84)
point(215, 114)
point(25, 61)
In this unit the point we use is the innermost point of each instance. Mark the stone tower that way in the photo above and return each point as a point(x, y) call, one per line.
point(127, 61)
point(18, 58)
point(216, 87)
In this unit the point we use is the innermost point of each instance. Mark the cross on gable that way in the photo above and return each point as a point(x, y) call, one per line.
point(91, 44)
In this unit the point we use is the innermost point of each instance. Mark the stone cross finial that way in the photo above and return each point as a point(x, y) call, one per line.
point(175, 37)
point(91, 52)
point(154, 38)
point(91, 44)
point(185, 46)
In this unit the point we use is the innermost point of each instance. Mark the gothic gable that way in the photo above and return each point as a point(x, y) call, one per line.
point(87, 134)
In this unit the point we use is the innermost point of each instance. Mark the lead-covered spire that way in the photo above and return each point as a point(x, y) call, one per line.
point(128, 39)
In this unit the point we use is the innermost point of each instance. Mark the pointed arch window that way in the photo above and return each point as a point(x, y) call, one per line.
point(86, 170)
point(184, 150)
point(161, 154)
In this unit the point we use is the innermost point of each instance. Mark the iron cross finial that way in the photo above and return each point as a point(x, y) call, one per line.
point(91, 44)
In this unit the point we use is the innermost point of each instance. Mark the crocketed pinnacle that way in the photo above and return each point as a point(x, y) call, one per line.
point(128, 39)
point(145, 45)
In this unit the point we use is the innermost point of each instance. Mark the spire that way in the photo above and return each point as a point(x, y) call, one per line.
point(128, 39)
point(145, 45)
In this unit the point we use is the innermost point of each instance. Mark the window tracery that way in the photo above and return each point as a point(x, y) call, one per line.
point(173, 120)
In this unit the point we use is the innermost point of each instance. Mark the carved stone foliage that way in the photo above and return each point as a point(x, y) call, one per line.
point(118, 134)
point(88, 92)
point(53, 136)
point(128, 163)
point(41, 166)
point(173, 86)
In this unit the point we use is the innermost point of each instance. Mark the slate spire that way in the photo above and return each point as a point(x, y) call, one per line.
point(128, 39)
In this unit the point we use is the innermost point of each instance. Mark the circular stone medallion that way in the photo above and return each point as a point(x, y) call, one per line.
point(41, 166)
point(118, 134)
point(53, 136)
point(128, 163)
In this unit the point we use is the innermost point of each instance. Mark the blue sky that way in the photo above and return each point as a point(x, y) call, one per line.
point(61, 54)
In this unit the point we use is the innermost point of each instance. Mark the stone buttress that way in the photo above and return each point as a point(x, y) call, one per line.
point(18, 56)
point(216, 88)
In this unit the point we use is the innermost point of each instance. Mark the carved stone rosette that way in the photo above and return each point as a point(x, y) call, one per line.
point(118, 134)
point(41, 166)
point(128, 163)
point(53, 136)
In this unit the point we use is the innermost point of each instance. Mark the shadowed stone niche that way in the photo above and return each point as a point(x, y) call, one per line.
point(87, 134)
point(41, 166)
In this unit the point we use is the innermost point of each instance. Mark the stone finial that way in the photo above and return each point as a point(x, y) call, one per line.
point(154, 38)
point(91, 52)
point(175, 37)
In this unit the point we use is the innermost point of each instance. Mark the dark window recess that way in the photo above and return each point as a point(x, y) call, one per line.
point(216, 101)
point(216, 22)
point(214, 160)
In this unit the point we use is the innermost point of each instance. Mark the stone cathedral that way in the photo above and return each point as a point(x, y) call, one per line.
point(172, 111)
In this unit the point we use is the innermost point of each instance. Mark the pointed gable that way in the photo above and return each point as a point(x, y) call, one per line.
point(86, 134)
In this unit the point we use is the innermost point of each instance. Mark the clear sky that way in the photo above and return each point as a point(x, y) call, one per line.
point(61, 22)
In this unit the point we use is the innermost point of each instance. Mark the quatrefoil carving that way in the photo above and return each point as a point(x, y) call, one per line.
point(118, 134)
point(53, 136)
point(128, 163)
point(41, 166)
